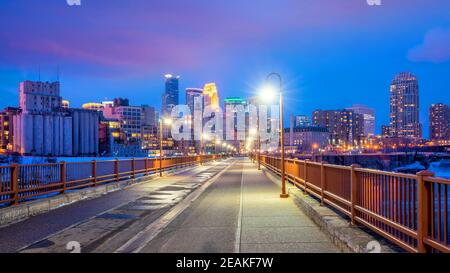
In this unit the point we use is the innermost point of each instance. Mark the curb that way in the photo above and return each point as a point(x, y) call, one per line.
point(349, 239)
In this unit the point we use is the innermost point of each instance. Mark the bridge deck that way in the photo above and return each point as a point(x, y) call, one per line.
point(237, 211)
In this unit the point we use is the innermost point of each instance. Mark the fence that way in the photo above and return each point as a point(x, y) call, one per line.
point(20, 183)
point(410, 210)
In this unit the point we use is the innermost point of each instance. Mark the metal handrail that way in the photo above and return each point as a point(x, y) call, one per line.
point(410, 210)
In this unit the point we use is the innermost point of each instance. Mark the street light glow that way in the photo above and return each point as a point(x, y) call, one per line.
point(167, 121)
point(267, 93)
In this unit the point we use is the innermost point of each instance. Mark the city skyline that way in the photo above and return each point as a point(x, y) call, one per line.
point(333, 41)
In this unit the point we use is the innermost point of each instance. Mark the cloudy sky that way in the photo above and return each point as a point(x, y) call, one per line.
point(331, 53)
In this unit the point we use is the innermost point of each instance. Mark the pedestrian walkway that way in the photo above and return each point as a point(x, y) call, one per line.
point(44, 227)
point(273, 224)
point(242, 212)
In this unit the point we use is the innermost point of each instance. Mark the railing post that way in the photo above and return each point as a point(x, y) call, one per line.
point(62, 173)
point(353, 191)
point(133, 173)
point(423, 209)
point(116, 169)
point(94, 172)
point(305, 166)
point(146, 165)
point(14, 175)
point(322, 182)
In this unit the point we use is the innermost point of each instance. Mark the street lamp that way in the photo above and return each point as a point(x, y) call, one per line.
point(254, 131)
point(218, 143)
point(166, 121)
point(203, 136)
point(268, 94)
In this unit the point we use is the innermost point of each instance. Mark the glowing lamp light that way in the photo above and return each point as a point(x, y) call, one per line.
point(267, 93)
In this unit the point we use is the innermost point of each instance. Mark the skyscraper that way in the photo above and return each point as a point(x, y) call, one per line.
point(192, 93)
point(210, 95)
point(170, 97)
point(236, 121)
point(439, 121)
point(404, 106)
point(368, 116)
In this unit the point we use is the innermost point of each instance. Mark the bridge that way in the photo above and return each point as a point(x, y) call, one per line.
point(219, 204)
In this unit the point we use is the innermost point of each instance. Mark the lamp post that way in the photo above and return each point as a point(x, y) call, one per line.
point(259, 147)
point(217, 143)
point(167, 122)
point(203, 137)
point(201, 148)
point(283, 194)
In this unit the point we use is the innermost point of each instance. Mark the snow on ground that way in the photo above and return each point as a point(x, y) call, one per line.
point(440, 170)
point(41, 160)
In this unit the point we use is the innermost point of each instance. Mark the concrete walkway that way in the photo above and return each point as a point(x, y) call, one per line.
point(242, 212)
point(237, 210)
point(272, 224)
point(86, 213)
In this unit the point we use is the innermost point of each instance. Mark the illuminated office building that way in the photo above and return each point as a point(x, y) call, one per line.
point(404, 106)
point(210, 95)
point(439, 122)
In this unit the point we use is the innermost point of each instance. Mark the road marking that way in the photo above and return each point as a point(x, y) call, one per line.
point(237, 246)
point(140, 240)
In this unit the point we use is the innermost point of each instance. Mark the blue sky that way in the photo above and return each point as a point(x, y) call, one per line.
point(331, 53)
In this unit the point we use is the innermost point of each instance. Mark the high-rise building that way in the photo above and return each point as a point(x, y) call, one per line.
point(149, 116)
point(191, 94)
point(404, 106)
point(150, 128)
point(368, 116)
point(210, 95)
point(130, 118)
point(236, 121)
point(170, 97)
point(439, 122)
point(345, 126)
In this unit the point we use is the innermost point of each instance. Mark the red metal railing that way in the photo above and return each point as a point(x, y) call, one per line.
point(410, 210)
point(20, 183)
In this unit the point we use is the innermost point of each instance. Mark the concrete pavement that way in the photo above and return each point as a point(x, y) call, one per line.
point(242, 212)
point(38, 228)
point(239, 210)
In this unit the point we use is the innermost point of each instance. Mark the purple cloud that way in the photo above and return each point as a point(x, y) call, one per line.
point(435, 47)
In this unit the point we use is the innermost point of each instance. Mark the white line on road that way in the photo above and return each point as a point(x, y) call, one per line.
point(140, 240)
point(237, 246)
